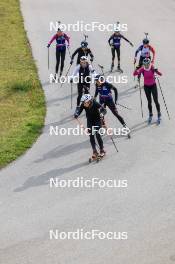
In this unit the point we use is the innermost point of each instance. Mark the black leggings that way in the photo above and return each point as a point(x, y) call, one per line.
point(152, 90)
point(98, 136)
point(60, 54)
point(117, 50)
point(113, 109)
point(82, 88)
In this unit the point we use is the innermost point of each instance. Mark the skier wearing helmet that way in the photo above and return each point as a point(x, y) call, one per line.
point(84, 71)
point(145, 52)
point(148, 71)
point(114, 43)
point(82, 51)
point(94, 111)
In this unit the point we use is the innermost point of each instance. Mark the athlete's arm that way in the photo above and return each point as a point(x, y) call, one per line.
point(153, 52)
point(79, 111)
point(115, 92)
point(109, 40)
point(158, 72)
point(91, 55)
point(67, 38)
point(138, 71)
point(76, 70)
point(96, 92)
point(52, 39)
point(92, 71)
point(75, 52)
point(138, 50)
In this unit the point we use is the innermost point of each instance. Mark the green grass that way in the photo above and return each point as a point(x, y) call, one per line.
point(22, 105)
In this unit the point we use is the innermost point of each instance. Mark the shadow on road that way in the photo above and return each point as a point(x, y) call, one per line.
point(44, 178)
point(63, 151)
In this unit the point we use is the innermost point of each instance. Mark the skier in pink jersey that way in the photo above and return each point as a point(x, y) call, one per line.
point(148, 71)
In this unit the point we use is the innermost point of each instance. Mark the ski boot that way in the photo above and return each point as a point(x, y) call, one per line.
point(159, 119)
point(150, 119)
point(119, 69)
point(102, 152)
point(55, 79)
point(95, 154)
point(112, 66)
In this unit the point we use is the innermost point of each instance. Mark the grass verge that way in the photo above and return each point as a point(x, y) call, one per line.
point(22, 105)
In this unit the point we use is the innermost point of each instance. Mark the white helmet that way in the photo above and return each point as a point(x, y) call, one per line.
point(84, 58)
point(86, 98)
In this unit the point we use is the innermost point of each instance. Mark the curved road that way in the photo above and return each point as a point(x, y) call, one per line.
point(29, 208)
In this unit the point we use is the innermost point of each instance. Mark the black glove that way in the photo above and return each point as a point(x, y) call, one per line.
point(103, 111)
point(71, 62)
point(91, 59)
point(48, 46)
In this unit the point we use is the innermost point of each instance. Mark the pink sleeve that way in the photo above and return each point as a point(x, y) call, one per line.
point(53, 38)
point(138, 72)
point(158, 72)
point(67, 38)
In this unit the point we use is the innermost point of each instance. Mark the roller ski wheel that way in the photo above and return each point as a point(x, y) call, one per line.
point(96, 158)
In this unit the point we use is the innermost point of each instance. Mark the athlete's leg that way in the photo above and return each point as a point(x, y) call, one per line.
point(80, 93)
point(155, 97)
point(58, 54)
point(63, 54)
point(113, 109)
point(148, 96)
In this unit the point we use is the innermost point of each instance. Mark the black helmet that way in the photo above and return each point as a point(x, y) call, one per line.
point(84, 44)
point(146, 41)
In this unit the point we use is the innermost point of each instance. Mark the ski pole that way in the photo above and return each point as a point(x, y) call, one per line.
point(134, 71)
point(66, 75)
point(48, 58)
point(124, 106)
point(111, 137)
point(69, 52)
point(71, 95)
point(101, 67)
point(163, 98)
point(141, 99)
point(85, 37)
point(146, 35)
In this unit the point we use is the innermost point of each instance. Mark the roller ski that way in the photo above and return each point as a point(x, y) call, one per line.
point(96, 157)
